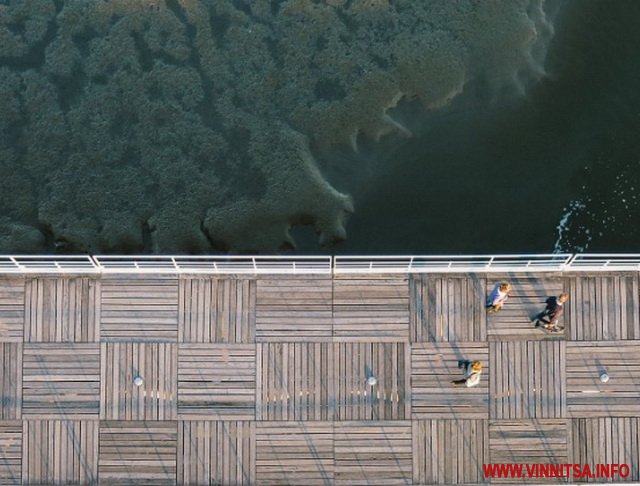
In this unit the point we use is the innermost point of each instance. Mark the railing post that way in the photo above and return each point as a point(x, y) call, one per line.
point(175, 265)
point(410, 265)
point(490, 262)
point(255, 267)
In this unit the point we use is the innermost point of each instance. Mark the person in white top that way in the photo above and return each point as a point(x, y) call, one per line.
point(472, 372)
point(498, 296)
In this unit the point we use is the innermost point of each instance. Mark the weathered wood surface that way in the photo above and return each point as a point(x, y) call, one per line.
point(449, 451)
point(526, 299)
point(217, 382)
point(448, 308)
point(587, 395)
point(61, 380)
point(433, 367)
point(155, 398)
point(262, 380)
point(11, 309)
point(527, 379)
point(213, 310)
point(60, 452)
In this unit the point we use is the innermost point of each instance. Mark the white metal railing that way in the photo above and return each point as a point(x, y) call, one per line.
point(17, 264)
point(213, 264)
point(451, 263)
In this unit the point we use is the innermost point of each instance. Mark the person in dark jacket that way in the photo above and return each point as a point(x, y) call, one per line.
point(549, 317)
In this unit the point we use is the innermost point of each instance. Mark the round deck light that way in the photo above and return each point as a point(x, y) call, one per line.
point(604, 377)
point(138, 381)
point(372, 381)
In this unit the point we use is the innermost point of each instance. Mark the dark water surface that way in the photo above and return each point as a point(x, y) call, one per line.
point(557, 169)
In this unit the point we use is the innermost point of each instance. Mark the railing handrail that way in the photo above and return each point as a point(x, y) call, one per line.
point(279, 264)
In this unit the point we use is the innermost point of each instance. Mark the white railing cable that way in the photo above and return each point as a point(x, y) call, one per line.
point(221, 264)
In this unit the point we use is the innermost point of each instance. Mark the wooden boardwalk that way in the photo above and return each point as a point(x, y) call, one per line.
point(262, 380)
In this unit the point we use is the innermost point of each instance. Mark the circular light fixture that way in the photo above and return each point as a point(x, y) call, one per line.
point(138, 381)
point(604, 377)
point(372, 381)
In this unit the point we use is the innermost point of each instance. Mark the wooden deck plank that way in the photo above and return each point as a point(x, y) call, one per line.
point(155, 399)
point(294, 309)
point(373, 453)
point(11, 381)
point(61, 380)
point(587, 395)
point(519, 379)
point(60, 452)
point(433, 367)
point(216, 452)
point(371, 309)
point(136, 453)
point(216, 382)
point(139, 309)
point(12, 309)
point(11, 453)
point(449, 451)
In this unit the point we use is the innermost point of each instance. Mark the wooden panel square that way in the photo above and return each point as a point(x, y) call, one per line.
point(216, 453)
point(61, 380)
point(60, 452)
point(376, 453)
point(11, 310)
point(10, 453)
point(139, 309)
point(293, 381)
point(526, 299)
point(294, 309)
point(294, 453)
point(587, 395)
point(606, 440)
point(10, 381)
point(217, 381)
point(528, 442)
point(371, 308)
point(448, 308)
point(138, 453)
point(433, 367)
point(62, 310)
point(527, 379)
point(605, 307)
point(449, 451)
point(155, 398)
point(354, 399)
point(217, 310)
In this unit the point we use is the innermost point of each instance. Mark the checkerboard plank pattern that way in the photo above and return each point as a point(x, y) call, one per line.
point(217, 381)
point(449, 451)
point(60, 452)
point(139, 309)
point(217, 310)
point(605, 307)
point(10, 452)
point(448, 308)
point(587, 395)
point(294, 453)
point(371, 309)
point(373, 453)
point(216, 452)
point(294, 309)
point(62, 310)
point(10, 381)
point(11, 310)
point(61, 380)
point(433, 367)
point(138, 453)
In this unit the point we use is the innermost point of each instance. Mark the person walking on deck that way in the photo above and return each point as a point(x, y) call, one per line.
point(550, 316)
point(498, 296)
point(472, 372)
